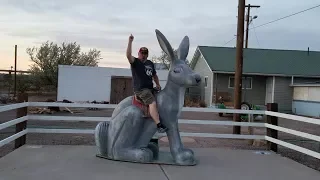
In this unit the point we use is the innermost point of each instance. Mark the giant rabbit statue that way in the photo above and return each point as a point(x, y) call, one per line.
point(127, 136)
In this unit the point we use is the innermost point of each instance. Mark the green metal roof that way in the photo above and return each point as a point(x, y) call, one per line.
point(264, 61)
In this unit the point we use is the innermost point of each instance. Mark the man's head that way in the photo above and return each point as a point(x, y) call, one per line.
point(143, 53)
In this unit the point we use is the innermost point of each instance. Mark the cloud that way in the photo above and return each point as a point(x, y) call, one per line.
point(283, 38)
point(106, 24)
point(45, 6)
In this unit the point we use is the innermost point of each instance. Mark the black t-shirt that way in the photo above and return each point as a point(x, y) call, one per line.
point(142, 73)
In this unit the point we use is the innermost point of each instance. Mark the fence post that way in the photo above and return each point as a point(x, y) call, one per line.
point(250, 128)
point(23, 97)
point(274, 121)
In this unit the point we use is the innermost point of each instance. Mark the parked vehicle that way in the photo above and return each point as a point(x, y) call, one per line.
point(244, 106)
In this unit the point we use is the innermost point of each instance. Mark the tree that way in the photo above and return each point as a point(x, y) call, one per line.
point(164, 59)
point(49, 55)
point(24, 83)
point(7, 82)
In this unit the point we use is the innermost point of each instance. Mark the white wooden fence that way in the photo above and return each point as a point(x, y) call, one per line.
point(181, 121)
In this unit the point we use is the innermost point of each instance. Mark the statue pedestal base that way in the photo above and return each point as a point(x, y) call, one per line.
point(164, 158)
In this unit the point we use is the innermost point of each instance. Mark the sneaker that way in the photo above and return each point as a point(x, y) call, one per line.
point(161, 128)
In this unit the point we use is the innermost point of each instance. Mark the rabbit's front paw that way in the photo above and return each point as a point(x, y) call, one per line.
point(185, 157)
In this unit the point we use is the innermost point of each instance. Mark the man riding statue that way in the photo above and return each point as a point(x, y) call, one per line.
point(143, 72)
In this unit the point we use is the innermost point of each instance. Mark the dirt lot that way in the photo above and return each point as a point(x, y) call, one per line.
point(81, 139)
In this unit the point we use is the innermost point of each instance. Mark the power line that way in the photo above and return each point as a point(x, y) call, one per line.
point(287, 16)
point(229, 40)
point(254, 29)
point(277, 20)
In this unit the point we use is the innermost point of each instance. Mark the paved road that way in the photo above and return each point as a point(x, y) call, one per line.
point(80, 163)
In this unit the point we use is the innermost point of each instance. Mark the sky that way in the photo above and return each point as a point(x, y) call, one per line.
point(106, 25)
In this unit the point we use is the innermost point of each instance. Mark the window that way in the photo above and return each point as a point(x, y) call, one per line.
point(206, 81)
point(246, 82)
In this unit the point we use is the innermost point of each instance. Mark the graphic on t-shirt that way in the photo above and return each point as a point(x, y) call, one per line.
point(148, 70)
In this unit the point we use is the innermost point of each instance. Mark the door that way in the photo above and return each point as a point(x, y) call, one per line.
point(269, 90)
point(121, 87)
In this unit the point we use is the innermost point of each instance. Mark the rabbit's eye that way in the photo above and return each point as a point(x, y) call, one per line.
point(177, 70)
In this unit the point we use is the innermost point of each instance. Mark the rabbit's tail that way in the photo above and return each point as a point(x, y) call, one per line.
point(101, 138)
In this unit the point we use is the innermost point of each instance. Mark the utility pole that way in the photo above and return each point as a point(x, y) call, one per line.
point(248, 21)
point(239, 62)
point(15, 71)
point(249, 6)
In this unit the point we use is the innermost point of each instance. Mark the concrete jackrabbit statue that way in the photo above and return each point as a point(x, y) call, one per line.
point(127, 136)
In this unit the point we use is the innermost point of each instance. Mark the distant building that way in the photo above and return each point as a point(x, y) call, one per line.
point(267, 74)
point(85, 83)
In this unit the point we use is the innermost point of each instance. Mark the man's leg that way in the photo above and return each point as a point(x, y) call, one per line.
point(155, 116)
point(149, 99)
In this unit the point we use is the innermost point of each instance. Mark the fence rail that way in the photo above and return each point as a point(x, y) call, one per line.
point(294, 132)
point(13, 122)
point(13, 137)
point(271, 124)
point(13, 106)
point(293, 117)
point(181, 121)
point(111, 106)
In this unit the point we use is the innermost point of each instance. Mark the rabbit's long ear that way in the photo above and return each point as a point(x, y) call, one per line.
point(183, 49)
point(165, 45)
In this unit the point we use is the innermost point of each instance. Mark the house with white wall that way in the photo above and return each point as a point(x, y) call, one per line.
point(267, 74)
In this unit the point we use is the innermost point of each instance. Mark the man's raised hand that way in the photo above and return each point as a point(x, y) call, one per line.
point(131, 38)
point(129, 49)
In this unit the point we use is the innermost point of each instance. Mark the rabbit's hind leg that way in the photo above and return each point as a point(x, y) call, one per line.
point(146, 135)
point(126, 146)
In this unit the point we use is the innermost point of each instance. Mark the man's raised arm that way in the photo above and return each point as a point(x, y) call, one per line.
point(129, 49)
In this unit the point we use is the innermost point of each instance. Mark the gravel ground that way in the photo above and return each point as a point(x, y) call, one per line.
point(84, 139)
